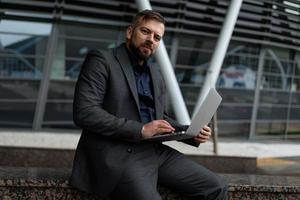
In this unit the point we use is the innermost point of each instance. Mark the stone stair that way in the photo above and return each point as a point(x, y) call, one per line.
point(18, 183)
point(31, 173)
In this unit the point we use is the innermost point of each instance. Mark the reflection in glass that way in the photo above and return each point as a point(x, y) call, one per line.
point(272, 113)
point(22, 53)
point(270, 128)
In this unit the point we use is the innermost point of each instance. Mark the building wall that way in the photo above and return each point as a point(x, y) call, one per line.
point(43, 44)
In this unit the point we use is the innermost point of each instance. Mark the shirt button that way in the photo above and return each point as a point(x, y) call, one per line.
point(129, 150)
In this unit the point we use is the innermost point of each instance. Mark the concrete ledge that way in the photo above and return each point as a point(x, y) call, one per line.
point(40, 157)
point(39, 173)
point(58, 190)
point(63, 158)
point(49, 184)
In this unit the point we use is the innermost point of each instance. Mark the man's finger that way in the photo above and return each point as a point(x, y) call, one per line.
point(202, 136)
point(163, 130)
point(205, 133)
point(164, 124)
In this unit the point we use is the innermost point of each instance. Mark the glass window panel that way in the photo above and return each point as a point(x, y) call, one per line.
point(19, 89)
point(16, 114)
point(234, 112)
point(191, 76)
point(167, 38)
point(190, 94)
point(236, 95)
point(31, 27)
point(274, 81)
point(19, 40)
point(65, 69)
point(287, 67)
point(295, 113)
point(73, 68)
point(270, 66)
point(190, 108)
point(247, 60)
point(195, 42)
point(74, 48)
point(20, 66)
point(295, 98)
point(100, 32)
point(59, 112)
point(188, 57)
point(272, 113)
point(270, 129)
point(237, 76)
point(73, 44)
point(293, 129)
point(235, 129)
point(296, 84)
point(61, 89)
point(22, 58)
point(274, 97)
point(26, 45)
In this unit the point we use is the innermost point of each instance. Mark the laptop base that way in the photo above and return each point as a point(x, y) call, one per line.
point(169, 136)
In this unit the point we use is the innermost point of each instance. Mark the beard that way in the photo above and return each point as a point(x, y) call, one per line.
point(138, 53)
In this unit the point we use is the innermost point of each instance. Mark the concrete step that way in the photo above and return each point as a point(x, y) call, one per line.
point(51, 183)
point(38, 173)
point(41, 157)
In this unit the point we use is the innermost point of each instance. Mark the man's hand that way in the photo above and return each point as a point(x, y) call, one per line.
point(203, 135)
point(156, 127)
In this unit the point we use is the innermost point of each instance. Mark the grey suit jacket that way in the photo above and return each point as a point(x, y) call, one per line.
point(106, 107)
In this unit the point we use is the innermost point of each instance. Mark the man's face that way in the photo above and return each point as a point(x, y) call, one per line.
point(144, 39)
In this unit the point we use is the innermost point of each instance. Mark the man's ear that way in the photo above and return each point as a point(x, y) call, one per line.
point(129, 32)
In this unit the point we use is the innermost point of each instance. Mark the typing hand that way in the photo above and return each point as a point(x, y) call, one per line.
point(203, 135)
point(156, 127)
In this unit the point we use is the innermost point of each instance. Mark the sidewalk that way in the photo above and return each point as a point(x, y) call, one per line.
point(272, 157)
point(242, 148)
point(66, 139)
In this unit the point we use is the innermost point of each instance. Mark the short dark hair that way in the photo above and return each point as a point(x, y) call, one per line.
point(146, 15)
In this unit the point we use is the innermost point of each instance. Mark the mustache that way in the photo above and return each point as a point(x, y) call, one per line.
point(148, 44)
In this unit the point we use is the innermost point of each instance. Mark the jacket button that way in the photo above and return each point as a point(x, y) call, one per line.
point(129, 150)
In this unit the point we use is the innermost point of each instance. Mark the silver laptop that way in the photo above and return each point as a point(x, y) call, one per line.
point(206, 111)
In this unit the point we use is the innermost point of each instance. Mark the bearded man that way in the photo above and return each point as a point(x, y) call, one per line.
point(119, 100)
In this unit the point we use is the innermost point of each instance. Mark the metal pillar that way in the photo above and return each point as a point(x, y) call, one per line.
point(220, 51)
point(215, 134)
point(45, 79)
point(257, 92)
point(163, 60)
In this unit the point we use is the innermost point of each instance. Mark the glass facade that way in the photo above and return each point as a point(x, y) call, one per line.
point(22, 55)
point(72, 45)
point(24, 43)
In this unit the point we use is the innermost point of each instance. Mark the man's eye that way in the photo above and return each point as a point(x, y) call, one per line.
point(144, 31)
point(157, 38)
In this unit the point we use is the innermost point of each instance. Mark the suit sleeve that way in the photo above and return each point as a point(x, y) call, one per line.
point(88, 112)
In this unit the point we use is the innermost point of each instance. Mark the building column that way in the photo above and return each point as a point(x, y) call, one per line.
point(45, 79)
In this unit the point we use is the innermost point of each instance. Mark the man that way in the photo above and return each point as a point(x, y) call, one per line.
point(120, 99)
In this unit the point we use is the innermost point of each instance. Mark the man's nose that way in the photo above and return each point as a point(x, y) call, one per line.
point(151, 37)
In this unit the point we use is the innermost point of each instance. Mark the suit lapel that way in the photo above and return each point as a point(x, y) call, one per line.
point(157, 93)
point(123, 59)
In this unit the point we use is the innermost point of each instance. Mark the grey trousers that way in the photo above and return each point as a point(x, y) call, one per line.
point(154, 164)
